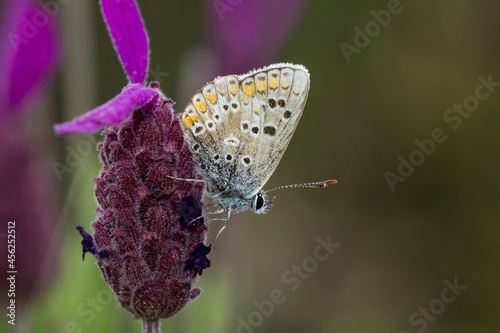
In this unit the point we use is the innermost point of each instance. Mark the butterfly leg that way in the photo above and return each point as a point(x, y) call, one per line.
point(187, 179)
point(219, 211)
point(226, 219)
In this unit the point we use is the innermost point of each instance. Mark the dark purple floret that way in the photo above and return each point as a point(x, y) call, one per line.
point(190, 209)
point(198, 260)
point(88, 244)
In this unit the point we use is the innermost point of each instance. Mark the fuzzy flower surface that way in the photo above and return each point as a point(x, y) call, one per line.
point(147, 252)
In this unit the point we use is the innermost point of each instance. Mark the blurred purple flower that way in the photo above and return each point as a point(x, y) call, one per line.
point(249, 34)
point(146, 256)
point(29, 55)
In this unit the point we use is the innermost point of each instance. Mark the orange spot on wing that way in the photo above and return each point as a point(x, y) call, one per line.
point(233, 89)
point(285, 84)
point(212, 98)
point(201, 106)
point(249, 89)
point(273, 83)
point(189, 121)
point(261, 86)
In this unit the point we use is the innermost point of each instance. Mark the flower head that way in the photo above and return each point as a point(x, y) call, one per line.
point(138, 229)
point(148, 254)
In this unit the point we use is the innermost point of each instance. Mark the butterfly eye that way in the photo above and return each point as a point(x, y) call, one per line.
point(259, 205)
point(259, 202)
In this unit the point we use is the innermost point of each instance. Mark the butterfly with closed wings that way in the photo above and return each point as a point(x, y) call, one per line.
point(238, 128)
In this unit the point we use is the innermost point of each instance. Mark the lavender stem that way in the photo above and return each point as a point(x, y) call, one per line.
point(151, 326)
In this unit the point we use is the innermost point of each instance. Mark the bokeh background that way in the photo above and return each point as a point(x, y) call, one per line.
point(397, 246)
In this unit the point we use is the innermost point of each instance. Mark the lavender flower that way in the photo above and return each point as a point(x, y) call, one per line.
point(27, 193)
point(148, 252)
point(141, 231)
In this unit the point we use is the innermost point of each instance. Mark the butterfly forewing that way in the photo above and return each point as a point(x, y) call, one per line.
point(238, 127)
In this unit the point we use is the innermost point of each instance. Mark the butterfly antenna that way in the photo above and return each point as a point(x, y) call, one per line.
point(322, 184)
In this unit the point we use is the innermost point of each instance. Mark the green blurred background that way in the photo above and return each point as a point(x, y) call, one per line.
point(397, 247)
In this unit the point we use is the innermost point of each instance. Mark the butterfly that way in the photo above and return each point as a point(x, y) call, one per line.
point(238, 127)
